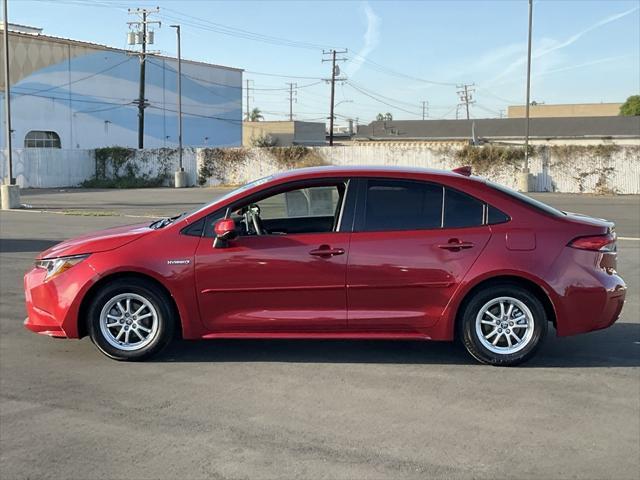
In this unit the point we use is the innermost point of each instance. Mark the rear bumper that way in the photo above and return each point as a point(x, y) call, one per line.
point(592, 299)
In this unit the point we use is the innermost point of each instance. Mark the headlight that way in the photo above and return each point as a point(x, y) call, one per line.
point(56, 266)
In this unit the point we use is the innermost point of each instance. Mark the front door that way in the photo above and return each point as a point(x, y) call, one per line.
point(285, 274)
point(409, 254)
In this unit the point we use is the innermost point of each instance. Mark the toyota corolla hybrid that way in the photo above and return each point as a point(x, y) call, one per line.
point(338, 253)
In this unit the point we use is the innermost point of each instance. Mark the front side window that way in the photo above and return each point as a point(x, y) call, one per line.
point(402, 205)
point(311, 209)
point(304, 202)
point(42, 139)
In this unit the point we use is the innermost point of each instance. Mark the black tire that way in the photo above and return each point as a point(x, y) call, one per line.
point(138, 288)
point(532, 338)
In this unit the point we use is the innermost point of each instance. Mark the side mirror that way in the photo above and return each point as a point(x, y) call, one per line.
point(225, 230)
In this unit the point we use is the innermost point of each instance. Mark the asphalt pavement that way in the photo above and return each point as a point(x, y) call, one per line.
point(307, 409)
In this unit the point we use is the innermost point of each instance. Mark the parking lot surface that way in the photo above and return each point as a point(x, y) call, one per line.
point(307, 409)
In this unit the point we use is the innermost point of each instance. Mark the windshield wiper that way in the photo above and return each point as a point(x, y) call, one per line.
point(163, 222)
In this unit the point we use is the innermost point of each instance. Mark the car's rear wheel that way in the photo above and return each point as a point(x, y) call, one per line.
point(130, 319)
point(503, 325)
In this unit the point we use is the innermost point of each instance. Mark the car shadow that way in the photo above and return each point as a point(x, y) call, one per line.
point(618, 346)
point(19, 245)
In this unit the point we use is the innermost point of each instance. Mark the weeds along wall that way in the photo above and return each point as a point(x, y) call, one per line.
point(600, 169)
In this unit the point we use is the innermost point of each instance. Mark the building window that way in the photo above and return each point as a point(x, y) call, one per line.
point(41, 139)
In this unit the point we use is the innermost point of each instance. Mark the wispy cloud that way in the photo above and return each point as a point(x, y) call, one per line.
point(370, 39)
point(546, 50)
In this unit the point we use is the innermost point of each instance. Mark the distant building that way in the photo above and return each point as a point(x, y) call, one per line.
point(77, 95)
point(573, 130)
point(284, 133)
point(565, 110)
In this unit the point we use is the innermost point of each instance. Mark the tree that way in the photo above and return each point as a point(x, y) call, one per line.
point(384, 117)
point(631, 108)
point(254, 116)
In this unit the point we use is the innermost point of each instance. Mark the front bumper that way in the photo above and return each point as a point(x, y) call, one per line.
point(53, 305)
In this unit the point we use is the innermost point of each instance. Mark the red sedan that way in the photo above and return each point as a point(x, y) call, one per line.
point(338, 253)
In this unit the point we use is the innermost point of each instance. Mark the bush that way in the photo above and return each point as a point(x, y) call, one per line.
point(116, 167)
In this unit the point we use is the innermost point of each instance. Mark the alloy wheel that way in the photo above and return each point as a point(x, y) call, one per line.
point(129, 322)
point(504, 325)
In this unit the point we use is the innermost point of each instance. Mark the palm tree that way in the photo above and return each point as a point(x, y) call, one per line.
point(254, 116)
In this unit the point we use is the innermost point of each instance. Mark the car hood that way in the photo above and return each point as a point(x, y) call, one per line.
point(99, 241)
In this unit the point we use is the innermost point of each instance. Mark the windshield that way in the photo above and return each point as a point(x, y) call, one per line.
point(236, 191)
point(532, 202)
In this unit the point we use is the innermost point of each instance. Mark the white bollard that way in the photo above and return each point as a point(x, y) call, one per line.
point(10, 197)
point(525, 182)
point(180, 179)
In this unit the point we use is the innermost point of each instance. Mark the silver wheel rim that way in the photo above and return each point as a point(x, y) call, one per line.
point(504, 325)
point(129, 322)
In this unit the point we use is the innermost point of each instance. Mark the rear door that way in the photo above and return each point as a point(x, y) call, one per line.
point(412, 244)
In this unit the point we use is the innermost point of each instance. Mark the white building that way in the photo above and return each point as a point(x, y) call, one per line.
point(78, 95)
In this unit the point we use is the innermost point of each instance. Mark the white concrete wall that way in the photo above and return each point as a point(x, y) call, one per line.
point(576, 172)
point(49, 167)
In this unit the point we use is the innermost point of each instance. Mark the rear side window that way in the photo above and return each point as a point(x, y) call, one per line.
point(496, 216)
point(462, 210)
point(402, 205)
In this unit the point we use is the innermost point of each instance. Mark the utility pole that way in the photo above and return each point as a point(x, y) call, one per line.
point(142, 36)
point(525, 171)
point(335, 72)
point(10, 191)
point(180, 177)
point(292, 86)
point(425, 109)
point(465, 92)
point(7, 94)
point(247, 90)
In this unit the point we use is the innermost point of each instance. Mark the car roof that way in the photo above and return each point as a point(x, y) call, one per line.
point(364, 171)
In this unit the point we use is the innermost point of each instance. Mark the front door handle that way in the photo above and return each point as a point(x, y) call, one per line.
point(326, 251)
point(456, 245)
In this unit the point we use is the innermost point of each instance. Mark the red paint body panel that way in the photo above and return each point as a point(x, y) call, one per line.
point(403, 280)
point(273, 283)
point(394, 285)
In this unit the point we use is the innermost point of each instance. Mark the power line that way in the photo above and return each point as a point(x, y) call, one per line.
point(238, 32)
point(381, 101)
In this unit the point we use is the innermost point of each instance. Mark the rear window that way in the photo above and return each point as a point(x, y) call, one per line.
point(462, 210)
point(532, 202)
point(402, 205)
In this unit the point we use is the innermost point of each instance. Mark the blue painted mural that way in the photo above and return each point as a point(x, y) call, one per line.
point(89, 101)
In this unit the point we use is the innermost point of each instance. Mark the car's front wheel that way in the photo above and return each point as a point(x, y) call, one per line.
point(503, 325)
point(130, 319)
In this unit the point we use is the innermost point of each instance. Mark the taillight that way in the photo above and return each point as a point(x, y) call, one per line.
point(596, 243)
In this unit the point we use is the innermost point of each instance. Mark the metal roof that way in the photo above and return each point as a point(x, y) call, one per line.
point(501, 128)
point(101, 46)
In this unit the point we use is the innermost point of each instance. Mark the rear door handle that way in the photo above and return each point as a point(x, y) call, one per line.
point(456, 245)
point(326, 251)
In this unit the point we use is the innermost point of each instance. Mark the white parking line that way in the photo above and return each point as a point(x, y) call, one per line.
point(632, 239)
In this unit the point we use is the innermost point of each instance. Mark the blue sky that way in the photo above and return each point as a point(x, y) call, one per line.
point(400, 52)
